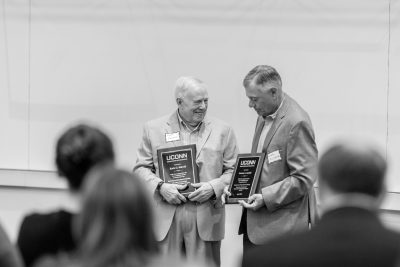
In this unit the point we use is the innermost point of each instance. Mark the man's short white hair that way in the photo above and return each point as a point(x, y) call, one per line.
point(184, 83)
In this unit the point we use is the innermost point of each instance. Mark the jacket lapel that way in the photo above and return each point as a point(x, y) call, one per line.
point(277, 122)
point(173, 127)
point(205, 131)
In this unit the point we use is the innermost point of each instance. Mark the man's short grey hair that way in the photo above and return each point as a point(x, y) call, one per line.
point(262, 74)
point(184, 83)
point(353, 166)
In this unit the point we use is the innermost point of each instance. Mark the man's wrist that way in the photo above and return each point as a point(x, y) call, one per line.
point(159, 185)
point(213, 196)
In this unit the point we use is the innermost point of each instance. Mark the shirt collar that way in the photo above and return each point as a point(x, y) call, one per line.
point(273, 115)
point(184, 124)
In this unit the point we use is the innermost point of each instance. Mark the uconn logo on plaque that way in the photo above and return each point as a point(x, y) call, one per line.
point(248, 162)
point(176, 156)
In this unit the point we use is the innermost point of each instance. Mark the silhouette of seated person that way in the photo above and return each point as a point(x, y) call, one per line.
point(78, 149)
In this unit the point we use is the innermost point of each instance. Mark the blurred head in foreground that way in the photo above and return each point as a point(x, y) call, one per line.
point(80, 148)
point(115, 227)
point(352, 173)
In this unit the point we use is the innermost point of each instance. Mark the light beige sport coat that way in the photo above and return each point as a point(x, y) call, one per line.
point(216, 155)
point(288, 175)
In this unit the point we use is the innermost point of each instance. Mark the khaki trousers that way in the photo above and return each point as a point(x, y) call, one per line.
point(183, 238)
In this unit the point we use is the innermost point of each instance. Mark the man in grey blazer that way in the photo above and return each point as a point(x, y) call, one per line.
point(192, 226)
point(284, 200)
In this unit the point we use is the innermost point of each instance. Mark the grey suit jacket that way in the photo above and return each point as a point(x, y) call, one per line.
point(216, 155)
point(288, 175)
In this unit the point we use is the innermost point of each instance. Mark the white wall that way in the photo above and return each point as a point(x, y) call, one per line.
point(115, 63)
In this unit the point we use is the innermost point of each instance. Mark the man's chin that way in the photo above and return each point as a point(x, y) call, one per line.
point(199, 116)
point(259, 113)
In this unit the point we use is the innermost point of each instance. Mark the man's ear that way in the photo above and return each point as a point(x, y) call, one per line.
point(179, 101)
point(274, 92)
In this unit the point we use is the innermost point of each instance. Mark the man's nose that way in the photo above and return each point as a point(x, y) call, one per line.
point(203, 105)
point(251, 104)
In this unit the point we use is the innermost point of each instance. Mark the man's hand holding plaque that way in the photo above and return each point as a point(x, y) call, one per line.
point(254, 202)
point(170, 193)
point(244, 180)
point(204, 192)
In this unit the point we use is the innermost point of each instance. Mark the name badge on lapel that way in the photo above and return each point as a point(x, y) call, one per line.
point(274, 156)
point(171, 137)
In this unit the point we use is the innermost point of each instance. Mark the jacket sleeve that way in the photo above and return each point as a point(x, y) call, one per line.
point(302, 157)
point(229, 158)
point(144, 167)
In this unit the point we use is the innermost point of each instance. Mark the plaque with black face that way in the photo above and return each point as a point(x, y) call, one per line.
point(177, 165)
point(245, 176)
